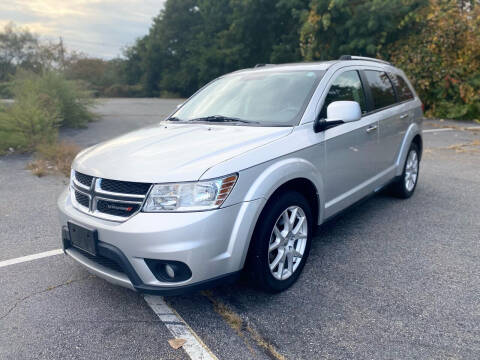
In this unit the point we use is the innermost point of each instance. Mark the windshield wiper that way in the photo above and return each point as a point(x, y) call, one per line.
point(173, 118)
point(221, 118)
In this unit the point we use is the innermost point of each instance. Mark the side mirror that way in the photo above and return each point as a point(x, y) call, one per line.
point(339, 112)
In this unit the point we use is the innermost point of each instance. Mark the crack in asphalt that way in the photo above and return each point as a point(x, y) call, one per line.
point(244, 328)
point(50, 288)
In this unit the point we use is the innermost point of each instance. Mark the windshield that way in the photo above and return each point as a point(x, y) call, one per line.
point(264, 98)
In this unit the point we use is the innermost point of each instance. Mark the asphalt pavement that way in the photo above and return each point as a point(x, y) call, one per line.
point(389, 279)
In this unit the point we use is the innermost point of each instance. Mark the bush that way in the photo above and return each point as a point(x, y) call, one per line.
point(42, 104)
point(5, 91)
point(29, 122)
point(71, 98)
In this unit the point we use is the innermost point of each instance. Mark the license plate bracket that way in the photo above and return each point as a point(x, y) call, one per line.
point(83, 238)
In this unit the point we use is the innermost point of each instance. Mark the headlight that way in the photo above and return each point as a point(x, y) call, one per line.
point(189, 196)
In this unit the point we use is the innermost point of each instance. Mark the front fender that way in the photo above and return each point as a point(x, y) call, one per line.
point(256, 186)
point(280, 172)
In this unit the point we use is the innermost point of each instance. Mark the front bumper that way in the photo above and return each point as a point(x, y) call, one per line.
point(213, 244)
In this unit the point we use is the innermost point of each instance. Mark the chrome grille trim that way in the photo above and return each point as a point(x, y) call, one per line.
point(76, 203)
point(80, 185)
point(99, 190)
point(95, 193)
point(79, 181)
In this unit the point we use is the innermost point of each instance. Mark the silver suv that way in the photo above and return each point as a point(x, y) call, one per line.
point(239, 176)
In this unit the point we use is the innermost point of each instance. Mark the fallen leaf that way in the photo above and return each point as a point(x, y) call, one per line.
point(177, 343)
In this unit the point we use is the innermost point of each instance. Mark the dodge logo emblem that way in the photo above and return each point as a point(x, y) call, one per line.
point(117, 207)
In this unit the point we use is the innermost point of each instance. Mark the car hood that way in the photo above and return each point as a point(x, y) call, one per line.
point(172, 152)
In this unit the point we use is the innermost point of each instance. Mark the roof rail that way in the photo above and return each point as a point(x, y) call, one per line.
point(262, 65)
point(351, 57)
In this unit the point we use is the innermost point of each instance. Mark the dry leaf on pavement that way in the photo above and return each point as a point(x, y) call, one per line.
point(176, 343)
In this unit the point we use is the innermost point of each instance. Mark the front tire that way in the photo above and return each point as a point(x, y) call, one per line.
point(281, 242)
point(405, 185)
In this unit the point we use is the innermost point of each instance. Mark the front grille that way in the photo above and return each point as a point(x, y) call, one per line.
point(83, 179)
point(124, 187)
point(108, 199)
point(82, 199)
point(117, 208)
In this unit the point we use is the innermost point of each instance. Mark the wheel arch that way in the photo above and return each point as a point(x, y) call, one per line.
point(417, 139)
point(290, 174)
point(301, 185)
point(413, 134)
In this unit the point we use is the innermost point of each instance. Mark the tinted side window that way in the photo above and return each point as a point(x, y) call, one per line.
point(347, 86)
point(403, 91)
point(381, 88)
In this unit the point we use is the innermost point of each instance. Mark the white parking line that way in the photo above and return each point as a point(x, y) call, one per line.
point(31, 257)
point(438, 130)
point(194, 347)
point(451, 129)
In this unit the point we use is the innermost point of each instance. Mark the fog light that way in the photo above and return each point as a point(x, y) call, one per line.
point(169, 270)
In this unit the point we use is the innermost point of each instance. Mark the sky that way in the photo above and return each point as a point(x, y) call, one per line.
point(99, 28)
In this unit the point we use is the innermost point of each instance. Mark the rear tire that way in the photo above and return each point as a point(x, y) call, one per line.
point(281, 242)
point(404, 186)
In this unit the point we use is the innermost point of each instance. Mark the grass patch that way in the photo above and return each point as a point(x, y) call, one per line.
point(53, 158)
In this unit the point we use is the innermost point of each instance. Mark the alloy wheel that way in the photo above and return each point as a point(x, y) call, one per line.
point(411, 170)
point(287, 244)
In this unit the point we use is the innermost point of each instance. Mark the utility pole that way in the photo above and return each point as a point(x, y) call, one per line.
point(62, 54)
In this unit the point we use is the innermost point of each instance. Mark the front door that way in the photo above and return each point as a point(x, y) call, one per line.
point(350, 161)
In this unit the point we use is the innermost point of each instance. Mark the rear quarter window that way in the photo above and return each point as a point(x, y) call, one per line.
point(381, 88)
point(403, 91)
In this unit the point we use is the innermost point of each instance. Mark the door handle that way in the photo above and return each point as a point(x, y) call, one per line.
point(404, 116)
point(372, 128)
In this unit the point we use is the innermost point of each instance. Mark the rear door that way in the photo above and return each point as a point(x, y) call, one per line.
point(392, 121)
point(405, 115)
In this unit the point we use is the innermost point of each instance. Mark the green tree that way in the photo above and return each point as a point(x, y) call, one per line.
point(264, 31)
point(99, 74)
point(193, 41)
point(21, 49)
point(290, 16)
point(442, 58)
point(17, 48)
point(336, 27)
